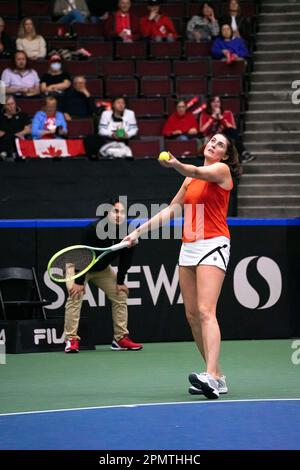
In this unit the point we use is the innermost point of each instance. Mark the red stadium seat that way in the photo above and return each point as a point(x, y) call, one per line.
point(234, 104)
point(226, 86)
point(165, 50)
point(118, 68)
point(34, 8)
point(171, 105)
point(191, 86)
point(150, 127)
point(156, 86)
point(11, 28)
point(174, 10)
point(62, 44)
point(186, 148)
point(194, 49)
point(89, 29)
point(95, 87)
point(48, 29)
point(40, 67)
point(88, 68)
point(145, 148)
point(31, 106)
point(130, 50)
point(198, 68)
point(147, 107)
point(98, 49)
point(9, 9)
point(221, 69)
point(80, 127)
point(146, 68)
point(121, 87)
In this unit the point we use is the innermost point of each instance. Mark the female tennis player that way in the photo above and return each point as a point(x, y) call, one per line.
point(205, 250)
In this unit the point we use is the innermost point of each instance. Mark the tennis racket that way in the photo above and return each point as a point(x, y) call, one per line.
point(74, 261)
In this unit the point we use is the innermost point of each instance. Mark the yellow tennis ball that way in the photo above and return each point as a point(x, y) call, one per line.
point(164, 156)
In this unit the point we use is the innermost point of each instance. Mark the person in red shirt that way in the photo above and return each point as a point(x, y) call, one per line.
point(156, 26)
point(217, 120)
point(182, 124)
point(122, 25)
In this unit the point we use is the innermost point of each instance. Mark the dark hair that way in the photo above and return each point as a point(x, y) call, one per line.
point(13, 59)
point(239, 7)
point(208, 109)
point(116, 98)
point(233, 158)
point(209, 4)
point(226, 24)
point(114, 200)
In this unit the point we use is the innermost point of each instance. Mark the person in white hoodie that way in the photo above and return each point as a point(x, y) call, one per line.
point(118, 124)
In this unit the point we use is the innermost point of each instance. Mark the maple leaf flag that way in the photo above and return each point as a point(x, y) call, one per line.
point(50, 148)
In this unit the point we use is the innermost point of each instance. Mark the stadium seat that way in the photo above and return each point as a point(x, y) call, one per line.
point(118, 68)
point(194, 49)
point(178, 148)
point(41, 67)
point(145, 148)
point(191, 86)
point(121, 87)
point(147, 107)
point(34, 8)
point(221, 69)
point(11, 28)
point(89, 29)
point(62, 44)
point(9, 9)
point(88, 68)
point(198, 68)
point(31, 106)
point(165, 50)
point(226, 86)
point(130, 50)
point(95, 87)
point(98, 49)
point(150, 127)
point(234, 104)
point(174, 10)
point(80, 127)
point(146, 68)
point(156, 86)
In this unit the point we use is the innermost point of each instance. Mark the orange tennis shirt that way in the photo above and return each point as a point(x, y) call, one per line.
point(205, 211)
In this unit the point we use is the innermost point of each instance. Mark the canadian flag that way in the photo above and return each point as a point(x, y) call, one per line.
point(50, 148)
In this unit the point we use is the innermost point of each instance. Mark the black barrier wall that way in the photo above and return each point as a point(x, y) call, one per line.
point(259, 298)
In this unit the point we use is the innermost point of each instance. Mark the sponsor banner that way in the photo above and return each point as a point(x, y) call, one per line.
point(50, 148)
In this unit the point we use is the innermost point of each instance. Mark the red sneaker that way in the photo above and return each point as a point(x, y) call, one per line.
point(125, 344)
point(72, 345)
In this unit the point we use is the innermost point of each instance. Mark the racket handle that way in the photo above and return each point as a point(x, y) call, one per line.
point(120, 245)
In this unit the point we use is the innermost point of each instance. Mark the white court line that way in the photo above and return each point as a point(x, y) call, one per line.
point(208, 402)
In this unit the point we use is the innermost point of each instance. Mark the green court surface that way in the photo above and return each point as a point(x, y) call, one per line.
point(156, 374)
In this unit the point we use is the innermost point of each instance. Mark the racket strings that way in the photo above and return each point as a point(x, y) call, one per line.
point(79, 259)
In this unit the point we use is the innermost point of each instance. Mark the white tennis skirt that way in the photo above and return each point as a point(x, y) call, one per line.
point(212, 251)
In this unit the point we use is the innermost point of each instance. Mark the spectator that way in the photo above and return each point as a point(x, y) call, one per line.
point(182, 124)
point(205, 26)
point(77, 101)
point(6, 44)
point(241, 26)
point(99, 10)
point(28, 41)
point(156, 26)
point(13, 123)
point(55, 81)
point(228, 48)
point(215, 120)
point(119, 123)
point(19, 79)
point(71, 11)
point(123, 24)
point(49, 123)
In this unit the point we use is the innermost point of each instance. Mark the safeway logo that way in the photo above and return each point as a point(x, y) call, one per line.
point(254, 274)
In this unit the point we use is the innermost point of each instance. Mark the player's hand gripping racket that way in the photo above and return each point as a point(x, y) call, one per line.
point(74, 261)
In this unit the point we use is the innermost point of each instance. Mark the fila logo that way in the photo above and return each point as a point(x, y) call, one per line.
point(49, 334)
point(257, 282)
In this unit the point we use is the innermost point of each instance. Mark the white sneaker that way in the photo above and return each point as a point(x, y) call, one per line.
point(208, 384)
point(223, 389)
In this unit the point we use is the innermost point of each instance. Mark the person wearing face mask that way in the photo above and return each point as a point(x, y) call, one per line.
point(56, 81)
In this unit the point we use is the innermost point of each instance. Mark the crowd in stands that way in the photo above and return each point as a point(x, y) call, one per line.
point(39, 72)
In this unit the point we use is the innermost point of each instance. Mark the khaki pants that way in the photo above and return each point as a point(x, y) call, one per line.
point(106, 280)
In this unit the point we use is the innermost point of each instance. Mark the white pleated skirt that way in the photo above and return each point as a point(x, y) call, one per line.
point(212, 251)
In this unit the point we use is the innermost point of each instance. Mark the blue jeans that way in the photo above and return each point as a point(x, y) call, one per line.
point(74, 16)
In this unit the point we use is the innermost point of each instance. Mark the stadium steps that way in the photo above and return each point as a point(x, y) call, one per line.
point(270, 186)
